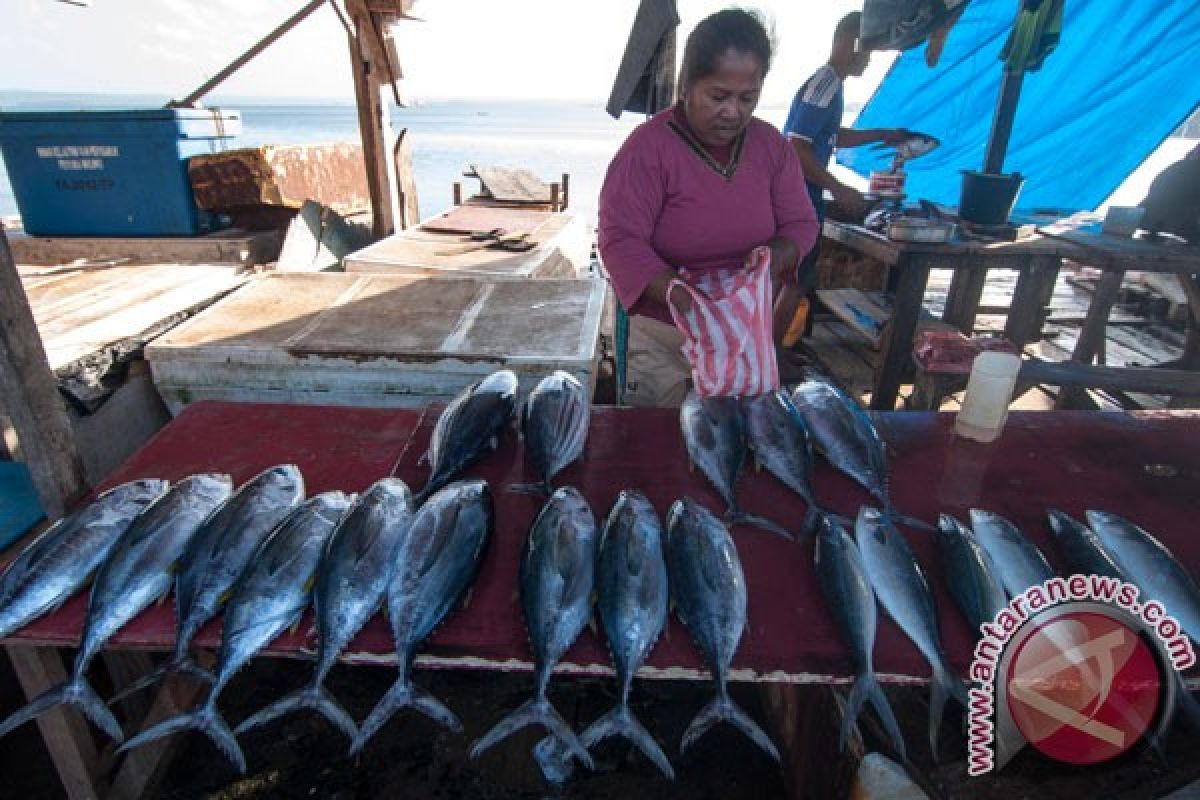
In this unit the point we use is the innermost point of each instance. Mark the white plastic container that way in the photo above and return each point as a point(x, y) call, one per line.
point(989, 390)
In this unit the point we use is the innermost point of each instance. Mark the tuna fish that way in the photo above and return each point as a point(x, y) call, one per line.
point(779, 439)
point(469, 427)
point(556, 578)
point(268, 598)
point(436, 563)
point(715, 436)
point(709, 590)
point(851, 602)
point(554, 425)
point(218, 554)
point(844, 433)
point(901, 588)
point(350, 587)
point(62, 559)
point(1018, 562)
point(970, 574)
point(137, 572)
point(1081, 547)
point(1150, 565)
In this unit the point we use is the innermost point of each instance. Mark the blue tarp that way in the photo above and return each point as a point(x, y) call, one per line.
point(1124, 76)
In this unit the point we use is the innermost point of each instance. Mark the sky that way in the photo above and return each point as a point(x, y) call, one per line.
point(523, 49)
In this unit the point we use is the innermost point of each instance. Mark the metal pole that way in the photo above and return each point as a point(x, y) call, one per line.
point(241, 60)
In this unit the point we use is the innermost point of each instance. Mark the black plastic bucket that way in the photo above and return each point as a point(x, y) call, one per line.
point(988, 198)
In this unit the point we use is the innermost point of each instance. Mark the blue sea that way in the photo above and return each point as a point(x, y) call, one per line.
point(547, 137)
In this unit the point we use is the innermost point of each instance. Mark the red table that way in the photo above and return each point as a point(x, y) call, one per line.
point(1145, 466)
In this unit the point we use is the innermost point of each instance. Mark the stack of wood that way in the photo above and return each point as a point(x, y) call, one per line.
point(509, 187)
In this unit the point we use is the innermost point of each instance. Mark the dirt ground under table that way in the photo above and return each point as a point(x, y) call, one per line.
point(301, 756)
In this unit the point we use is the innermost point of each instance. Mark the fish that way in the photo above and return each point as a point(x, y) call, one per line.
point(55, 565)
point(267, 599)
point(970, 574)
point(709, 590)
point(1081, 547)
point(436, 563)
point(904, 593)
point(1018, 562)
point(633, 595)
point(556, 578)
point(554, 425)
point(847, 437)
point(780, 442)
point(715, 436)
point(1150, 565)
point(217, 555)
point(351, 585)
point(916, 145)
point(137, 571)
point(470, 426)
point(850, 599)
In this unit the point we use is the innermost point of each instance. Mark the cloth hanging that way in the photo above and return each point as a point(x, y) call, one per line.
point(645, 81)
point(727, 333)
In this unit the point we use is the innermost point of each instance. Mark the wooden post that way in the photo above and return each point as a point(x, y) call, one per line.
point(565, 197)
point(457, 187)
point(554, 198)
point(29, 395)
point(1091, 334)
point(410, 212)
point(368, 65)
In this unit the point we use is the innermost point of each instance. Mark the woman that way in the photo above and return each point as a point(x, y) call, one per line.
point(698, 187)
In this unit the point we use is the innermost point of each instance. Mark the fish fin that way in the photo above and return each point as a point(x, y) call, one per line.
point(812, 518)
point(536, 711)
point(912, 522)
point(206, 720)
point(466, 601)
point(854, 705)
point(425, 459)
point(402, 694)
point(554, 759)
point(311, 698)
point(180, 665)
point(539, 489)
point(621, 722)
point(722, 709)
point(591, 624)
point(76, 692)
point(746, 518)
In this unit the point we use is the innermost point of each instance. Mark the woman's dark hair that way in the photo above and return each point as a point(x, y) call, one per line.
point(734, 28)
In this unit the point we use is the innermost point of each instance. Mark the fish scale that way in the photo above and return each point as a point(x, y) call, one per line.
point(554, 426)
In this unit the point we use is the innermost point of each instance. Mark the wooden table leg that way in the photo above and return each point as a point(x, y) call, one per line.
point(64, 731)
point(898, 339)
point(1091, 335)
point(804, 722)
point(962, 299)
point(1031, 298)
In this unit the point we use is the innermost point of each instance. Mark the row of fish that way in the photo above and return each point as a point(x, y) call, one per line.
point(629, 566)
point(262, 553)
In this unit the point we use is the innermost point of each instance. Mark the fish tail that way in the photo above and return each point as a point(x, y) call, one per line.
point(854, 706)
point(312, 698)
point(403, 695)
point(536, 711)
point(541, 489)
point(723, 709)
point(76, 692)
point(943, 686)
point(738, 517)
point(206, 720)
point(621, 722)
point(883, 710)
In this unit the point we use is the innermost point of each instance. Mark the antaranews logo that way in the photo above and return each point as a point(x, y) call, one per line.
point(1080, 667)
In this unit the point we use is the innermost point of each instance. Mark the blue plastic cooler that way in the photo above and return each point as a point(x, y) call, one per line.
point(110, 173)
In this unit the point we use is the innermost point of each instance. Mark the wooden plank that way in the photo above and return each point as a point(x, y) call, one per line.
point(64, 731)
point(123, 669)
point(368, 65)
point(1031, 296)
point(225, 247)
point(512, 185)
point(897, 346)
point(29, 396)
point(962, 298)
point(485, 219)
point(406, 180)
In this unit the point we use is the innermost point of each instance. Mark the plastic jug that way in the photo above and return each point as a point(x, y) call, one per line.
point(989, 390)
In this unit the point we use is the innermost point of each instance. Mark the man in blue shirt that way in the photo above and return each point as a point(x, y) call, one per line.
point(814, 127)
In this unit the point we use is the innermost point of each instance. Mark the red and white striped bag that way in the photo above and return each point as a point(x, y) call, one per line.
point(727, 332)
